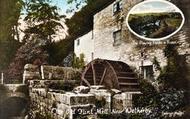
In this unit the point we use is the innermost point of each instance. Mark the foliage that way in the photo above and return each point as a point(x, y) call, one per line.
point(170, 51)
point(149, 95)
point(9, 16)
point(82, 22)
point(10, 13)
point(31, 52)
point(38, 115)
point(173, 74)
point(136, 116)
point(67, 61)
point(171, 100)
point(58, 51)
point(171, 96)
point(7, 50)
point(43, 19)
point(78, 62)
point(156, 64)
point(158, 102)
point(155, 25)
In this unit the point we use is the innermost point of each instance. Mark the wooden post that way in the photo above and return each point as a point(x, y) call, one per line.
point(94, 73)
point(24, 77)
point(42, 71)
point(101, 81)
point(2, 78)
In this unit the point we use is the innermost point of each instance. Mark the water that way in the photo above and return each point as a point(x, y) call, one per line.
point(12, 107)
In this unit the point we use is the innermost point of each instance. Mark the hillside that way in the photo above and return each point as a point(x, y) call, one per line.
point(155, 25)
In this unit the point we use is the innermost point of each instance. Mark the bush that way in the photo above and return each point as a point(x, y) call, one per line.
point(149, 95)
point(78, 62)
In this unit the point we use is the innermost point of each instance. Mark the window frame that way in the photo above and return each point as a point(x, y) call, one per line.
point(117, 41)
point(78, 42)
point(145, 74)
point(117, 7)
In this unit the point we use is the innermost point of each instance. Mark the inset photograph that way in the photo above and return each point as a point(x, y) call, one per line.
point(155, 20)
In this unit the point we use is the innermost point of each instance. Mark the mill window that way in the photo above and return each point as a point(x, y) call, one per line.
point(117, 37)
point(117, 6)
point(78, 42)
point(147, 72)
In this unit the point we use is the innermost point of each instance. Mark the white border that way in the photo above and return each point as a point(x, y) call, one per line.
point(156, 39)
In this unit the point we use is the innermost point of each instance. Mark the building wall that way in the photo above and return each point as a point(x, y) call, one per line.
point(85, 45)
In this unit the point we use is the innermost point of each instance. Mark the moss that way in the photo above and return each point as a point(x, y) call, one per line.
point(66, 86)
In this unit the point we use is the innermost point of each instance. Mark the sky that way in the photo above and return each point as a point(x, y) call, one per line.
point(154, 6)
point(64, 6)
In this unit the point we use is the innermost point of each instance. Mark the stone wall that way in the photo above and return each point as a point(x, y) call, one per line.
point(77, 102)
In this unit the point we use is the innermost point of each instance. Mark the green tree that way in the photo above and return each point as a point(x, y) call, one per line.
point(9, 40)
point(43, 19)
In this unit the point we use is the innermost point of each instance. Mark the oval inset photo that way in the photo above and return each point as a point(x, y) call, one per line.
point(155, 20)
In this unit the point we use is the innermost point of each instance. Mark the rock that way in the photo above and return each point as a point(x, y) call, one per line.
point(70, 98)
point(121, 101)
point(81, 89)
point(97, 87)
point(115, 91)
point(103, 99)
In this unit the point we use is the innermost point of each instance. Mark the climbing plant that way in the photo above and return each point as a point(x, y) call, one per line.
point(78, 62)
point(156, 64)
point(173, 74)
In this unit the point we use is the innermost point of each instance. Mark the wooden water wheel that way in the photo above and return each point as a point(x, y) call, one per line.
point(111, 74)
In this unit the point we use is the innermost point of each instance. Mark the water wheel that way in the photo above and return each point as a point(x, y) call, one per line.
point(111, 74)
